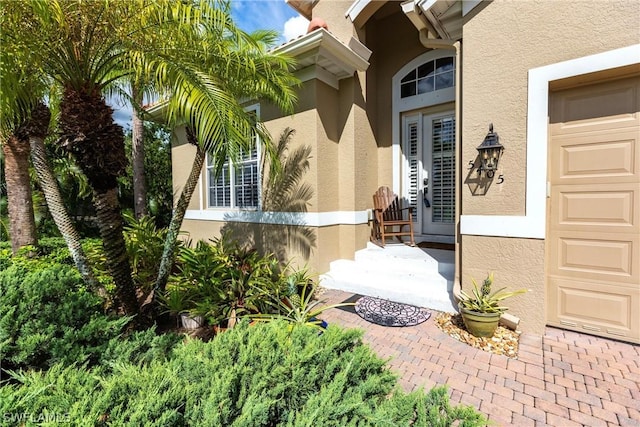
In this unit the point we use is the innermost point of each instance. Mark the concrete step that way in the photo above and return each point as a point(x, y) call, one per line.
point(383, 275)
point(414, 290)
point(402, 258)
point(397, 272)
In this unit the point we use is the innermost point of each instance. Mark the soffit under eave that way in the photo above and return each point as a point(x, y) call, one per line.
point(445, 17)
point(303, 7)
point(320, 48)
point(155, 112)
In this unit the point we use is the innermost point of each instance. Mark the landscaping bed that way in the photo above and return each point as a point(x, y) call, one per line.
point(504, 341)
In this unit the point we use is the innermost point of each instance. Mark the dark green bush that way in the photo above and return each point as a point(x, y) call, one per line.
point(264, 375)
point(47, 315)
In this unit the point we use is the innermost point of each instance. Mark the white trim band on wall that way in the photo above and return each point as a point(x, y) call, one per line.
point(533, 224)
point(307, 219)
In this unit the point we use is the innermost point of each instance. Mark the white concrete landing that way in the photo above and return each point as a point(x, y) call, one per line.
point(397, 272)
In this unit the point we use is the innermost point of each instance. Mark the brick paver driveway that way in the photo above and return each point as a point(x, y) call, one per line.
point(561, 379)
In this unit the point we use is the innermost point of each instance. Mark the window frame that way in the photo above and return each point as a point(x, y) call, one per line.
point(233, 202)
point(414, 79)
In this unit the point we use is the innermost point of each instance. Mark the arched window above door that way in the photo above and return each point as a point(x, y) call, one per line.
point(431, 76)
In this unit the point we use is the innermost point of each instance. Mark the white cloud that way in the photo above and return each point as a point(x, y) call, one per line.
point(295, 27)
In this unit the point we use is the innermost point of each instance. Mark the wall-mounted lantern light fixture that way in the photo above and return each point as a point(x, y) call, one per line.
point(490, 151)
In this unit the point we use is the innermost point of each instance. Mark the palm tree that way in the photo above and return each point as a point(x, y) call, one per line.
point(190, 52)
point(137, 153)
point(14, 110)
point(75, 52)
point(237, 65)
point(24, 114)
point(37, 132)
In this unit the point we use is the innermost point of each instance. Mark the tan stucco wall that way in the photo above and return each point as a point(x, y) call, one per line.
point(392, 49)
point(332, 242)
point(496, 60)
point(516, 264)
point(342, 169)
point(195, 230)
point(182, 155)
point(501, 42)
point(337, 241)
point(348, 125)
point(332, 11)
point(304, 122)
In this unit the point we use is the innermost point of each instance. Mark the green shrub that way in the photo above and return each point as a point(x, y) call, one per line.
point(139, 347)
point(264, 375)
point(47, 315)
point(5, 257)
point(53, 250)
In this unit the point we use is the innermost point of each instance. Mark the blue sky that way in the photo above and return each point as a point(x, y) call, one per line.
point(250, 15)
point(268, 14)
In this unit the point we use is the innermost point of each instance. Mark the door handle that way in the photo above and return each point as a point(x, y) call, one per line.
point(425, 199)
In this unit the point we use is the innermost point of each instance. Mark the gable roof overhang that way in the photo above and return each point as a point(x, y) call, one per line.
point(319, 54)
point(442, 18)
point(361, 10)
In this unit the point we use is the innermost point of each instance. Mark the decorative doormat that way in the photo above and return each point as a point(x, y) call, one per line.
point(389, 313)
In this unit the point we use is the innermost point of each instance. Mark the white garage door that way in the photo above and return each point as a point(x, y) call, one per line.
point(593, 235)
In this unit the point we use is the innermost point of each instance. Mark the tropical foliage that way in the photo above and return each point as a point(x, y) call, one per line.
point(63, 354)
point(158, 186)
point(299, 306)
point(222, 281)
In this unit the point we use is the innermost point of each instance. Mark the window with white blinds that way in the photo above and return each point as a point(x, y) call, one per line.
point(442, 182)
point(237, 186)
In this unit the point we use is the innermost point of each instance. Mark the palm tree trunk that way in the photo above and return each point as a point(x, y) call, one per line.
point(97, 143)
point(58, 211)
point(137, 156)
point(22, 223)
point(111, 225)
point(176, 220)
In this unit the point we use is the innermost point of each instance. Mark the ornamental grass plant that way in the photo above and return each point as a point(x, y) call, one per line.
point(482, 300)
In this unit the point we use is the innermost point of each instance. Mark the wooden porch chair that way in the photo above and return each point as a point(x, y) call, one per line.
point(389, 217)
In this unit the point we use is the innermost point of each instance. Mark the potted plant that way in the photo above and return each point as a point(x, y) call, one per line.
point(178, 302)
point(482, 309)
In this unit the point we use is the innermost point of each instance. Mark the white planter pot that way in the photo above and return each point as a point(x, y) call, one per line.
point(189, 322)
